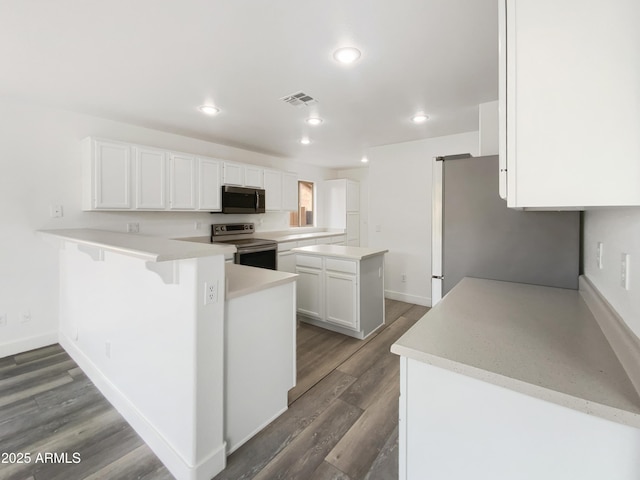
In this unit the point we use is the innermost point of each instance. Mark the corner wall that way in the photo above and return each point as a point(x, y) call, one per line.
point(399, 184)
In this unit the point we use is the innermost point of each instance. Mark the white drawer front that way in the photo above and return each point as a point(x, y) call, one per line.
point(308, 261)
point(346, 266)
point(339, 239)
point(284, 246)
point(305, 243)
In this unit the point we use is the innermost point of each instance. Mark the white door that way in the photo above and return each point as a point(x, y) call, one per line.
point(183, 182)
point(209, 185)
point(341, 292)
point(112, 172)
point(151, 167)
point(289, 192)
point(309, 291)
point(253, 177)
point(233, 174)
point(273, 190)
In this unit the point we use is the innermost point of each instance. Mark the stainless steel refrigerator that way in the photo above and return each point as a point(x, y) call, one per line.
point(476, 235)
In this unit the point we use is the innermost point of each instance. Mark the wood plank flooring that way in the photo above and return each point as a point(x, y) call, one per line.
point(341, 423)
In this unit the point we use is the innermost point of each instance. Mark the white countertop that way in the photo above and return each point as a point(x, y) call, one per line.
point(242, 280)
point(341, 251)
point(288, 236)
point(151, 249)
point(540, 341)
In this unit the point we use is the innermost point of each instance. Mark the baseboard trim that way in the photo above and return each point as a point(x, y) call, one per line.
point(625, 343)
point(206, 469)
point(405, 297)
point(26, 344)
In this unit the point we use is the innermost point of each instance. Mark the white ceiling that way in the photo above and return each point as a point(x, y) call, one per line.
point(153, 62)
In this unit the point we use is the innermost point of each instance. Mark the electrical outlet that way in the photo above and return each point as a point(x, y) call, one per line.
point(3, 319)
point(56, 211)
point(404, 278)
point(25, 316)
point(107, 349)
point(133, 227)
point(599, 252)
point(210, 293)
point(625, 271)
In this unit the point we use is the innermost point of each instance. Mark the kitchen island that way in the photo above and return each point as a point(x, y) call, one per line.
point(341, 288)
point(144, 317)
point(504, 380)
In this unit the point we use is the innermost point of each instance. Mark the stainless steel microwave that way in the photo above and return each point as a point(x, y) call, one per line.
point(242, 200)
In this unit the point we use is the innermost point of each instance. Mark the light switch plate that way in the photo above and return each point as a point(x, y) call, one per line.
point(625, 271)
point(599, 252)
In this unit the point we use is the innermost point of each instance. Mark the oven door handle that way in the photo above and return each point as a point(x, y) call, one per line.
point(261, 248)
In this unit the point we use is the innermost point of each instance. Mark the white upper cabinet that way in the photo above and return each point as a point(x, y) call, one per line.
point(150, 178)
point(273, 190)
point(569, 103)
point(182, 181)
point(106, 175)
point(289, 192)
point(209, 183)
point(124, 176)
point(253, 176)
point(233, 174)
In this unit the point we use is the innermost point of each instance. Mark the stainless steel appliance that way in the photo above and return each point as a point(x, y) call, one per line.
point(476, 235)
point(251, 251)
point(242, 200)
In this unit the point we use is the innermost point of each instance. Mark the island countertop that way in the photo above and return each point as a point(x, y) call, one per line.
point(242, 280)
point(341, 251)
point(151, 249)
point(540, 341)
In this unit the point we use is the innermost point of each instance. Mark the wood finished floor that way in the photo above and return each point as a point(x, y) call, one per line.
point(342, 421)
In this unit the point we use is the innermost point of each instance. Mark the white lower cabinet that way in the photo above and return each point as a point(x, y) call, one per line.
point(343, 295)
point(341, 290)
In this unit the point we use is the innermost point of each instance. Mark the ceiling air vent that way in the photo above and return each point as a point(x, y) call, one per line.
point(299, 99)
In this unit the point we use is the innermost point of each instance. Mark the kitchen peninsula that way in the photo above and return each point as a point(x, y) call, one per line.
point(144, 317)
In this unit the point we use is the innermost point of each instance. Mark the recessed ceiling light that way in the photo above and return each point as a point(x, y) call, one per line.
point(305, 141)
point(314, 121)
point(364, 160)
point(346, 55)
point(209, 109)
point(419, 118)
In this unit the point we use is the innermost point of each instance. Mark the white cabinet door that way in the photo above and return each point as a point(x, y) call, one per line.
point(182, 180)
point(273, 190)
point(571, 102)
point(287, 262)
point(253, 176)
point(209, 183)
point(353, 196)
point(111, 175)
point(309, 291)
point(353, 229)
point(289, 192)
point(150, 183)
point(233, 174)
point(341, 293)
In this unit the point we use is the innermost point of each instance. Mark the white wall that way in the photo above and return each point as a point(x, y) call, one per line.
point(400, 209)
point(488, 120)
point(619, 231)
point(360, 175)
point(40, 159)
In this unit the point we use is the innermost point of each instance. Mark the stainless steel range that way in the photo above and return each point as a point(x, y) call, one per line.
point(251, 251)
